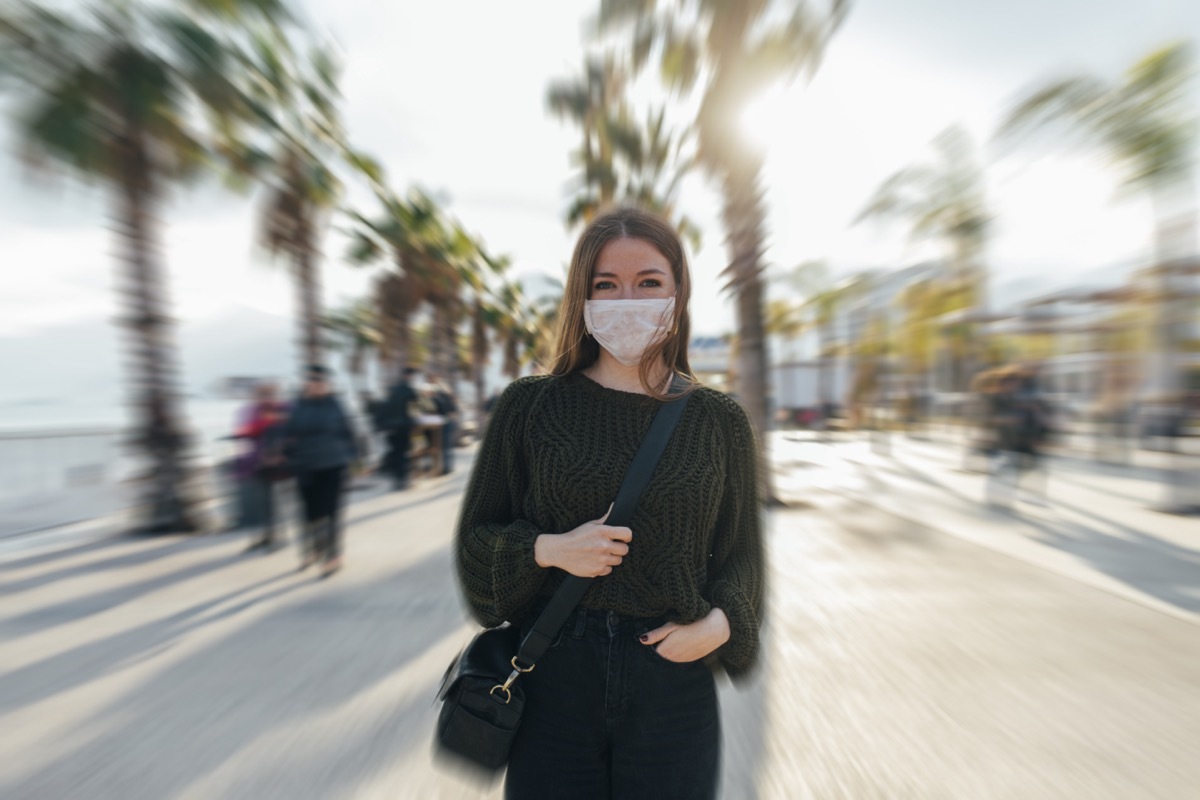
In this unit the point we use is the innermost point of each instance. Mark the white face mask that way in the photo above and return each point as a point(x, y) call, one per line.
point(625, 328)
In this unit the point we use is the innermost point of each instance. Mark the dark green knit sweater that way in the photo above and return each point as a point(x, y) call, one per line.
point(553, 458)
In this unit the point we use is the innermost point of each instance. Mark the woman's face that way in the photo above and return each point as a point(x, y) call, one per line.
point(631, 269)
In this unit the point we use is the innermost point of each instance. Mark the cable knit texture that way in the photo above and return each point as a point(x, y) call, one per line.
point(553, 458)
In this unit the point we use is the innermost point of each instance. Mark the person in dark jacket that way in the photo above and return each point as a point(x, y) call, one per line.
point(396, 420)
point(320, 445)
point(1020, 421)
point(447, 408)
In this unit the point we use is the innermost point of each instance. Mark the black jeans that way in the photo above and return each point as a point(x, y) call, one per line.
point(607, 717)
point(321, 493)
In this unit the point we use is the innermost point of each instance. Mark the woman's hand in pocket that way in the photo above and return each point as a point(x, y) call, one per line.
point(684, 643)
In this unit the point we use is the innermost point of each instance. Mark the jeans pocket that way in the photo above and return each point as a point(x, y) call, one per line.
point(660, 657)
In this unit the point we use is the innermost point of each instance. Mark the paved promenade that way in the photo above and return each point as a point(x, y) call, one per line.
point(917, 648)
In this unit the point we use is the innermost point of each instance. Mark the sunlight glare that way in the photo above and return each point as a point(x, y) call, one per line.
point(769, 118)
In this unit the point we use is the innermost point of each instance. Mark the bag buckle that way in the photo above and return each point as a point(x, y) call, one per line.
point(517, 672)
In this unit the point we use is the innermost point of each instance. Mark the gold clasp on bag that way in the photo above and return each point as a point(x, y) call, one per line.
point(518, 670)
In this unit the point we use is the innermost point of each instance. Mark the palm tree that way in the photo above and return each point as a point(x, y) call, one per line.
point(511, 310)
point(1145, 125)
point(921, 336)
point(541, 329)
point(784, 319)
point(396, 297)
point(452, 260)
point(356, 329)
point(944, 201)
point(480, 349)
point(484, 315)
point(406, 233)
point(741, 47)
point(593, 103)
point(134, 97)
point(295, 98)
point(622, 160)
point(656, 164)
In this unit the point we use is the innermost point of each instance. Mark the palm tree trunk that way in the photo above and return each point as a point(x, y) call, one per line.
point(395, 311)
point(358, 356)
point(160, 435)
point(403, 344)
point(479, 357)
point(743, 216)
point(512, 355)
point(309, 287)
point(441, 338)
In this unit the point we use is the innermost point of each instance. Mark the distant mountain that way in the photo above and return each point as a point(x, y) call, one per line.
point(240, 342)
point(68, 363)
point(83, 363)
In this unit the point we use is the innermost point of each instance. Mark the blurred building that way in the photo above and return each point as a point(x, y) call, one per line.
point(1106, 346)
point(823, 363)
point(710, 359)
point(1097, 349)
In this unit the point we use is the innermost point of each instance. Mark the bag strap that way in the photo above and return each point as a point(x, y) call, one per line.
point(638, 475)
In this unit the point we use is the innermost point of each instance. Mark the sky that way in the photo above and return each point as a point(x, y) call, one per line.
point(450, 96)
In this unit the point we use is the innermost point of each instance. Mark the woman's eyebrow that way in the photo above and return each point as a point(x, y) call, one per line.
point(652, 271)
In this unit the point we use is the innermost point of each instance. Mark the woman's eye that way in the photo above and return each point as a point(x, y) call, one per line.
point(652, 282)
point(604, 285)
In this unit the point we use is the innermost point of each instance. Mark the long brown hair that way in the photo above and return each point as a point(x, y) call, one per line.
point(577, 349)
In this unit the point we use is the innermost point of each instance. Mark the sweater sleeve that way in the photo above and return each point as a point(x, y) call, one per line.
point(737, 573)
point(494, 546)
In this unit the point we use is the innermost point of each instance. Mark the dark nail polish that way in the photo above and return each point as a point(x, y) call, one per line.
point(644, 638)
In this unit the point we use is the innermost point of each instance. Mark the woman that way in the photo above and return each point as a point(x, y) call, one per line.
point(266, 434)
point(624, 703)
point(251, 491)
point(320, 445)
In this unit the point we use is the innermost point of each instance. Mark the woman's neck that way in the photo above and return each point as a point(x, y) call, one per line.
point(612, 374)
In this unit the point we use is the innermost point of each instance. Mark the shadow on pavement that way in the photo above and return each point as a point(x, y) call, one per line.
point(67, 670)
point(1153, 566)
point(76, 608)
point(193, 716)
point(453, 488)
point(138, 557)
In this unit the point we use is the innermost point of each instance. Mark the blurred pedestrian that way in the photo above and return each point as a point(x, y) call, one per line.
point(624, 703)
point(250, 494)
point(979, 414)
point(266, 434)
point(395, 418)
point(1020, 423)
point(371, 409)
point(320, 445)
point(446, 406)
point(428, 423)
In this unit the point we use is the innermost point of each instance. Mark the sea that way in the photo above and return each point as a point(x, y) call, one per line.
point(62, 463)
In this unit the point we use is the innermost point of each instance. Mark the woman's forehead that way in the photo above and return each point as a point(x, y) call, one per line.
point(629, 255)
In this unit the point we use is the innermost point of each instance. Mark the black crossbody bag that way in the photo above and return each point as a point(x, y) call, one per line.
point(482, 701)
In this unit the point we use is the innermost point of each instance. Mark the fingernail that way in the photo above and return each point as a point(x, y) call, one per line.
point(644, 638)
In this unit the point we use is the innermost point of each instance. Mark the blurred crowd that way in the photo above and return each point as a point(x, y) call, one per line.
point(314, 446)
